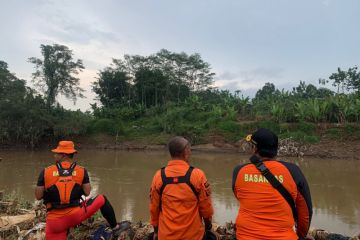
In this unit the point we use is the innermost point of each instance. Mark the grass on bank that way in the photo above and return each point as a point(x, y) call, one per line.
point(153, 131)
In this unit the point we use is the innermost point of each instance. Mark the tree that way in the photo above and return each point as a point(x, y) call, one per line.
point(183, 69)
point(353, 76)
point(159, 78)
point(310, 91)
point(12, 89)
point(112, 87)
point(56, 73)
point(324, 92)
point(345, 80)
point(22, 118)
point(339, 79)
point(266, 91)
point(5, 74)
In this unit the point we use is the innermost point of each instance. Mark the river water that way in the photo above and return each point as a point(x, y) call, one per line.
point(125, 177)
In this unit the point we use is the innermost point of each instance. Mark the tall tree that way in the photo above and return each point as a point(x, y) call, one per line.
point(21, 116)
point(183, 69)
point(151, 87)
point(5, 74)
point(12, 89)
point(56, 73)
point(310, 91)
point(267, 91)
point(353, 76)
point(112, 86)
point(344, 80)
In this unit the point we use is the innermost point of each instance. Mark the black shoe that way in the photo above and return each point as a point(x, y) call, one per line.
point(123, 226)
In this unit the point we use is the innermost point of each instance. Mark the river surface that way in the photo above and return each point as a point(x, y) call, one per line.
point(125, 177)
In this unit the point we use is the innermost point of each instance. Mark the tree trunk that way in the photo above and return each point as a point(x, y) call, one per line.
point(156, 97)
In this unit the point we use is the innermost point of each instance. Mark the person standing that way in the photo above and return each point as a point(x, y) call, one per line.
point(180, 197)
point(62, 186)
point(274, 196)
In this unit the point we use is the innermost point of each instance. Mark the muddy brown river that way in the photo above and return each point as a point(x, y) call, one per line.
point(125, 177)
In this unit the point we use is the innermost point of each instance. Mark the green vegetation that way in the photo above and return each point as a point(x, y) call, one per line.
point(150, 98)
point(55, 73)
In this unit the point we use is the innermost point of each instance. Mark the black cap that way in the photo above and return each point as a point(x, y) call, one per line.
point(266, 142)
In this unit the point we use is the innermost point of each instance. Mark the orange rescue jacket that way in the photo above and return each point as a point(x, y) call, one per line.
point(66, 195)
point(178, 211)
point(264, 213)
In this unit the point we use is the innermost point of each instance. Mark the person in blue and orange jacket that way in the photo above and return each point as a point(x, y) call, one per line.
point(264, 213)
point(180, 197)
point(61, 186)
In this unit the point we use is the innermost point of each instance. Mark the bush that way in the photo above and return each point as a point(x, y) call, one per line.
point(306, 127)
point(353, 131)
point(300, 136)
point(71, 123)
point(311, 139)
point(194, 133)
point(230, 126)
point(108, 126)
point(273, 126)
point(333, 133)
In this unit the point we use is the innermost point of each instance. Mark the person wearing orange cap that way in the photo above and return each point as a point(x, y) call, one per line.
point(274, 196)
point(62, 186)
point(180, 197)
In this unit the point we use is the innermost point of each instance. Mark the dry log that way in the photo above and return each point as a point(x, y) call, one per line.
point(7, 222)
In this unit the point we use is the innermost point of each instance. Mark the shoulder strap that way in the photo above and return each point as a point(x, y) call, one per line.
point(188, 182)
point(65, 172)
point(275, 183)
point(164, 181)
point(176, 180)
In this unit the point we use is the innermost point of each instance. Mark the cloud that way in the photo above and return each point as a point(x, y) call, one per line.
point(274, 44)
point(227, 75)
point(325, 3)
point(248, 79)
point(90, 39)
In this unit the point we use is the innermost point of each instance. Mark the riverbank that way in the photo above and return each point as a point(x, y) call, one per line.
point(288, 148)
point(19, 220)
point(325, 148)
point(325, 140)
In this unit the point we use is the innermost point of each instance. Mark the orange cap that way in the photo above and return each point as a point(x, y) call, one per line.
point(65, 147)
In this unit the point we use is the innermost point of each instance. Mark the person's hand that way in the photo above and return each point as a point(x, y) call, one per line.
point(208, 225)
point(155, 236)
point(309, 237)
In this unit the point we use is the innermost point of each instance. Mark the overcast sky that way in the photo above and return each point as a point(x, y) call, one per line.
point(247, 43)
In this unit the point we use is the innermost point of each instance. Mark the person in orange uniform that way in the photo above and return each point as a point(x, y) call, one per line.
point(264, 212)
point(180, 197)
point(61, 186)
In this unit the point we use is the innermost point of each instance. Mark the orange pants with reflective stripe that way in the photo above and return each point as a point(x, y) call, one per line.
point(57, 228)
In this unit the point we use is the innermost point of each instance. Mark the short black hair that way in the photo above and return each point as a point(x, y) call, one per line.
point(177, 145)
point(267, 154)
point(266, 142)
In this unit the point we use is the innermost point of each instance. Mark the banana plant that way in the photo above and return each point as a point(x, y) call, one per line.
point(301, 111)
point(277, 112)
point(314, 110)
